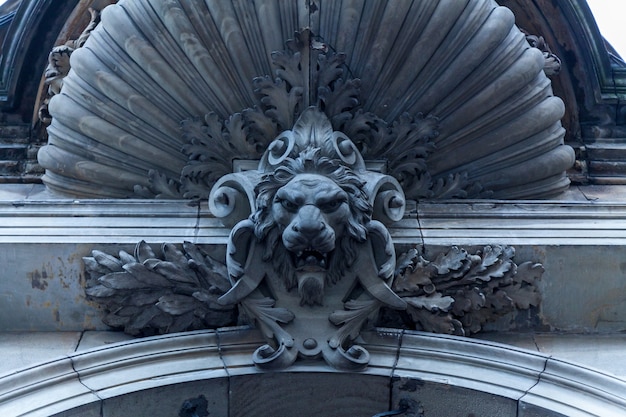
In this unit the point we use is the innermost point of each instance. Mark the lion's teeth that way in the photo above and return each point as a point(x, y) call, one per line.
point(300, 253)
point(323, 263)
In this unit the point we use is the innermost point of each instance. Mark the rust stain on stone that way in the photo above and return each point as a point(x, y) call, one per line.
point(38, 279)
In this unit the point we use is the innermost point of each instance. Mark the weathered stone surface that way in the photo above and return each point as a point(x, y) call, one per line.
point(308, 394)
point(529, 410)
point(542, 232)
point(442, 400)
point(26, 349)
point(173, 400)
point(89, 410)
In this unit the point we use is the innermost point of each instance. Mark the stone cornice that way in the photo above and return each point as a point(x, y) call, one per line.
point(523, 223)
point(432, 223)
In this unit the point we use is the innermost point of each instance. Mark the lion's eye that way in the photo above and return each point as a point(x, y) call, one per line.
point(289, 205)
point(331, 205)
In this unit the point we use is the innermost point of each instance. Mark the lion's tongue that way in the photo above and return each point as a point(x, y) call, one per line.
point(311, 262)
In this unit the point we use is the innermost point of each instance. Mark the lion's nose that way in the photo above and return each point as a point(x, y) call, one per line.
point(309, 227)
point(311, 223)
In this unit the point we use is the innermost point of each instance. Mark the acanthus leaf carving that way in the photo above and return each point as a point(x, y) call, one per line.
point(160, 186)
point(309, 72)
point(552, 65)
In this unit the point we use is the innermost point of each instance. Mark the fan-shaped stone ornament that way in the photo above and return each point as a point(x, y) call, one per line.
point(447, 95)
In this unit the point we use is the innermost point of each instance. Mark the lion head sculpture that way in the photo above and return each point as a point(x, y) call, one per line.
point(317, 221)
point(311, 211)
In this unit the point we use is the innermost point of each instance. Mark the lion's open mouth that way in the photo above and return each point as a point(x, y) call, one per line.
point(311, 260)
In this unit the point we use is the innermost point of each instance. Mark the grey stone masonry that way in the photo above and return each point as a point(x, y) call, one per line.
point(18, 155)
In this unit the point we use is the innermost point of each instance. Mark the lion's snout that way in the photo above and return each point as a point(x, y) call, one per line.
point(309, 222)
point(309, 229)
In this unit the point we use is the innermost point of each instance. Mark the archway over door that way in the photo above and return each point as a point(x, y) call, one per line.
point(439, 375)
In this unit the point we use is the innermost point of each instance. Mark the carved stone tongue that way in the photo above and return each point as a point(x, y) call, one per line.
point(311, 260)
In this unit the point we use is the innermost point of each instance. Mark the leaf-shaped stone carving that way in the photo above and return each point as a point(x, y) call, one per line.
point(416, 273)
point(111, 263)
point(146, 275)
point(122, 281)
point(158, 294)
point(352, 319)
point(100, 291)
point(268, 317)
point(434, 322)
point(279, 100)
point(343, 97)
point(177, 304)
point(434, 302)
point(452, 260)
point(471, 288)
point(143, 251)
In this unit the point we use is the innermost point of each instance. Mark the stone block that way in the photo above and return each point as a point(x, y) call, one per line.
point(9, 167)
point(590, 277)
point(24, 349)
point(13, 152)
point(15, 132)
point(172, 400)
point(31, 167)
point(94, 339)
point(444, 400)
point(308, 394)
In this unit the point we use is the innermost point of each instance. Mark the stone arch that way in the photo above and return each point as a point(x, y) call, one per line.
point(154, 376)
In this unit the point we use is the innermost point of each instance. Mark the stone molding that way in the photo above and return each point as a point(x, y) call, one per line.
point(99, 377)
point(448, 223)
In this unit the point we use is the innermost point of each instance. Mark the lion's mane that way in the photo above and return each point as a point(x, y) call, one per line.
point(311, 162)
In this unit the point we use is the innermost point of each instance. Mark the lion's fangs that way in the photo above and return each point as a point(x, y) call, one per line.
point(310, 259)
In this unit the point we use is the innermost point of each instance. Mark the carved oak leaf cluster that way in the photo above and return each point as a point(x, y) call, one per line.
point(458, 292)
point(145, 295)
